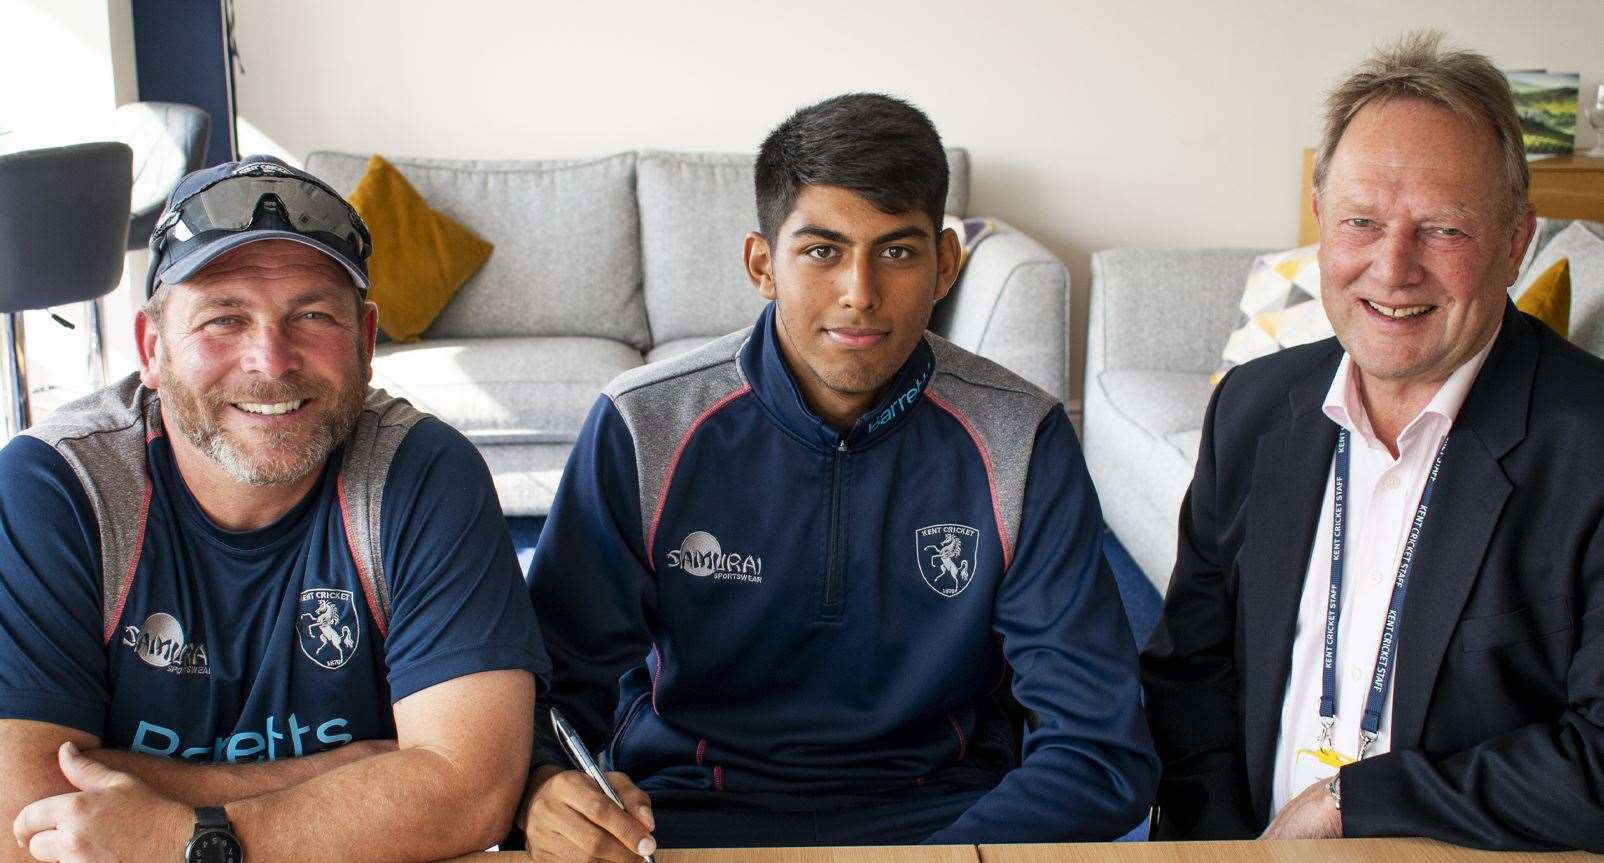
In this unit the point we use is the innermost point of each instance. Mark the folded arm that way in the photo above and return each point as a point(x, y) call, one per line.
point(28, 762)
point(449, 788)
point(219, 783)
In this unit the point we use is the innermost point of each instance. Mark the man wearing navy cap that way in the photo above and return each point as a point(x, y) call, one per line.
point(255, 608)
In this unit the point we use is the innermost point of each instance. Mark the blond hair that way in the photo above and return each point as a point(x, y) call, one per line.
point(1464, 82)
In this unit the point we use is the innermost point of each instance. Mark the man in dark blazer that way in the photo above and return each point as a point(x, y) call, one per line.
point(1485, 688)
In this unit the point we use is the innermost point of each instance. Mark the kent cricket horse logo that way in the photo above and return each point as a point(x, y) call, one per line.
point(947, 556)
point(328, 626)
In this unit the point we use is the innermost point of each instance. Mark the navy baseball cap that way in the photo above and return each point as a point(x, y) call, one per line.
point(217, 209)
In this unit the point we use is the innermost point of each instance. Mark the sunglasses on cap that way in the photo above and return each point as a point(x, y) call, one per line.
point(259, 196)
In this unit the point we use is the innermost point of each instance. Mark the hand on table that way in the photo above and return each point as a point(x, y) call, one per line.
point(1310, 815)
point(566, 818)
point(112, 816)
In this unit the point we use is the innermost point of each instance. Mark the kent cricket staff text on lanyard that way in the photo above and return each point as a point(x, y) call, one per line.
point(1381, 678)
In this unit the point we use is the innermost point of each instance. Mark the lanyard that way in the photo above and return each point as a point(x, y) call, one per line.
point(1370, 725)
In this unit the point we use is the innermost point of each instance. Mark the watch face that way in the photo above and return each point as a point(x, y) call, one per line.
point(214, 846)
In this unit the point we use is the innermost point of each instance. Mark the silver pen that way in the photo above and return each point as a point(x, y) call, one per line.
point(574, 747)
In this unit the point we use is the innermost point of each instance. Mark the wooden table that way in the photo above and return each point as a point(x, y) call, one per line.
point(1293, 851)
point(1284, 851)
point(898, 854)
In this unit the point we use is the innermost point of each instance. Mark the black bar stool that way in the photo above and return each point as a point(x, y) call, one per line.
point(63, 228)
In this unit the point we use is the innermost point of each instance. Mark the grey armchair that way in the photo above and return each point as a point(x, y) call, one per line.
point(1159, 320)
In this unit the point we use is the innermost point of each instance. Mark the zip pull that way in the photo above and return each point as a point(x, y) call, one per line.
point(841, 445)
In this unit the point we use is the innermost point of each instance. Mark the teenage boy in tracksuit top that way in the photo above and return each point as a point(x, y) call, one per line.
point(786, 575)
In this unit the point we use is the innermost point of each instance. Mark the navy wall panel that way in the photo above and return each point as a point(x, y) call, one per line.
point(180, 54)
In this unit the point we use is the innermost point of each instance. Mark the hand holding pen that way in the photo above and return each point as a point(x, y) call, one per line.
point(583, 814)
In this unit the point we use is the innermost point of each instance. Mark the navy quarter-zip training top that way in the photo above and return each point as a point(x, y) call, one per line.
point(739, 599)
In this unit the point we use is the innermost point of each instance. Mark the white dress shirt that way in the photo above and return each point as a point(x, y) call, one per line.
point(1383, 494)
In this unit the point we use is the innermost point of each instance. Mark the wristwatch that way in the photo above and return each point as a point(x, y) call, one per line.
point(213, 840)
point(1335, 787)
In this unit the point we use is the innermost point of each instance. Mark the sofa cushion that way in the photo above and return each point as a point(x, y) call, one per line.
point(1583, 243)
point(509, 390)
point(1548, 297)
point(1168, 309)
point(1140, 452)
point(567, 235)
point(526, 475)
point(695, 210)
point(667, 350)
point(1159, 403)
point(1186, 443)
point(421, 256)
point(1280, 306)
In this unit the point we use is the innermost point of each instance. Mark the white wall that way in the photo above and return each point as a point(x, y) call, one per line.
point(1090, 124)
point(64, 65)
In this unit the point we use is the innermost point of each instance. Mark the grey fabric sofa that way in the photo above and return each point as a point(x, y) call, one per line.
point(604, 264)
point(1158, 323)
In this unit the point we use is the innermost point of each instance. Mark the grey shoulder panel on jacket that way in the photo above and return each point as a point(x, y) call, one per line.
point(369, 450)
point(102, 438)
point(115, 408)
point(1001, 411)
point(976, 370)
point(661, 404)
point(722, 350)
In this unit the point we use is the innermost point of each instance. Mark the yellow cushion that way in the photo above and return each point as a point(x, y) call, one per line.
point(1548, 297)
point(420, 255)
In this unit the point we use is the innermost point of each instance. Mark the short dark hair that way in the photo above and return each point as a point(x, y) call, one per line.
point(877, 146)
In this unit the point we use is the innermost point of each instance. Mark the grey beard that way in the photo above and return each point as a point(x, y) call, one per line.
point(192, 415)
point(292, 466)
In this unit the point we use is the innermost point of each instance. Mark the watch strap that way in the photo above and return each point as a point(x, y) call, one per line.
point(215, 817)
point(211, 827)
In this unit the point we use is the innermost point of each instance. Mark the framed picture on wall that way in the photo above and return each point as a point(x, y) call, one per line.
point(1546, 104)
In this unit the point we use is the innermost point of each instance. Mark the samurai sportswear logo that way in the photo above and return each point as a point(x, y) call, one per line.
point(700, 555)
point(328, 626)
point(948, 556)
point(160, 642)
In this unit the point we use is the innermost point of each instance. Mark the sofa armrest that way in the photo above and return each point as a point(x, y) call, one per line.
point(1163, 309)
point(1011, 305)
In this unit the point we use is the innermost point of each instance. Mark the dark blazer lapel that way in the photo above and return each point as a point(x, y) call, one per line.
point(1290, 469)
point(1470, 495)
